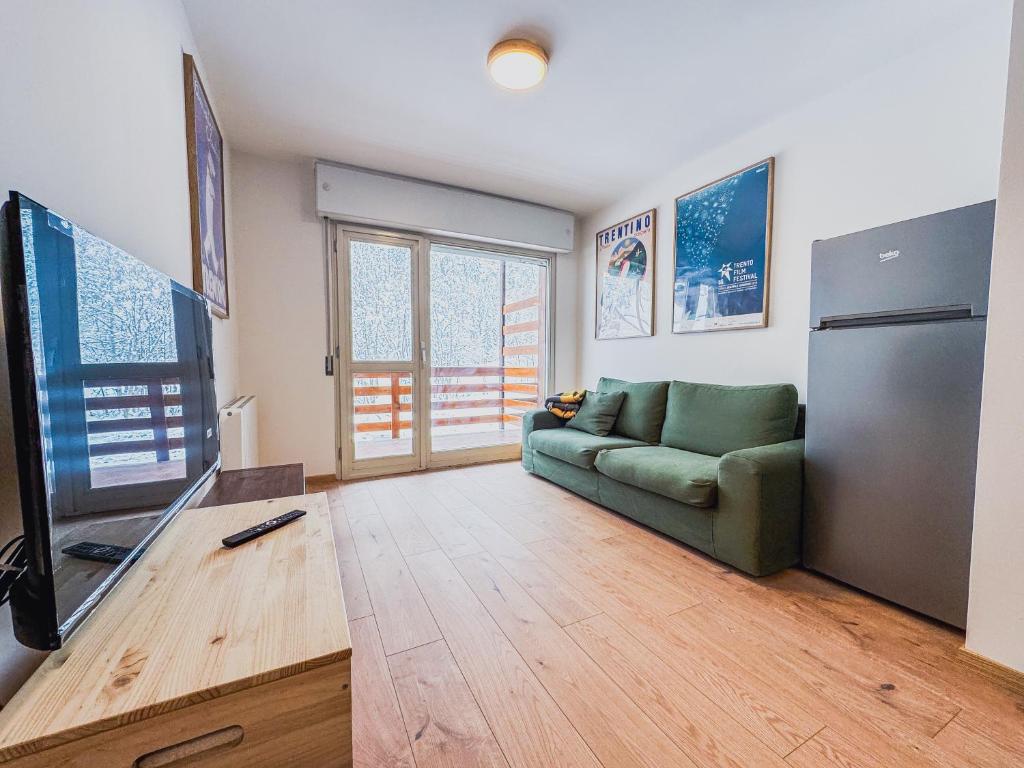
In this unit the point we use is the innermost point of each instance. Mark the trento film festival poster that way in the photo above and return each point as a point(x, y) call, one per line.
point(723, 253)
point(625, 278)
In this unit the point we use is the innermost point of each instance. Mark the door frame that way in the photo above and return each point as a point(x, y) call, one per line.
point(338, 235)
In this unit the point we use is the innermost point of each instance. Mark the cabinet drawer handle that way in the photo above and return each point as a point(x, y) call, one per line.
point(178, 754)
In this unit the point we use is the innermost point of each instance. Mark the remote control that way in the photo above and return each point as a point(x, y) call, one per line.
point(100, 553)
point(258, 530)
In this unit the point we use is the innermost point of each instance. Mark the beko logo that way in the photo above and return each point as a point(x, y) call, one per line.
point(888, 256)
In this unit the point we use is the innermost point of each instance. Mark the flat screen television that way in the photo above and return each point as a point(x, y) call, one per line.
point(111, 409)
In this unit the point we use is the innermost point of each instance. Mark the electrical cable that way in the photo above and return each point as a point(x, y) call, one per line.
point(12, 565)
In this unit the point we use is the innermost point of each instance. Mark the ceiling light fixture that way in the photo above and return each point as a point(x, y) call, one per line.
point(517, 64)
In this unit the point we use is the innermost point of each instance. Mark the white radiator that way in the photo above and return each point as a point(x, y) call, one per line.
point(239, 441)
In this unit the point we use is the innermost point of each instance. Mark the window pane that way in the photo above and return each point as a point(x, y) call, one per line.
point(465, 309)
point(125, 313)
point(381, 278)
point(486, 346)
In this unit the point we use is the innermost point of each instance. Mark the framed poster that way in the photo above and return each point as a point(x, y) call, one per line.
point(625, 278)
point(206, 193)
point(723, 244)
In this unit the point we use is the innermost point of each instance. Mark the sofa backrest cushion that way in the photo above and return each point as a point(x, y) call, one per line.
point(597, 413)
point(643, 410)
point(714, 419)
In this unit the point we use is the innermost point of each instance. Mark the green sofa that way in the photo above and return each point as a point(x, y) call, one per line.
point(719, 468)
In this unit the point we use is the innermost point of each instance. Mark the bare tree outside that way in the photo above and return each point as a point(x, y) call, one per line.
point(125, 316)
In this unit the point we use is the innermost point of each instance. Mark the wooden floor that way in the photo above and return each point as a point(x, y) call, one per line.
point(499, 621)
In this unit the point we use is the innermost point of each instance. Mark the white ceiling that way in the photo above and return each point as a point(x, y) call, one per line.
point(635, 87)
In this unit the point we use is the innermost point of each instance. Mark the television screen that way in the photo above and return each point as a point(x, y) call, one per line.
point(113, 410)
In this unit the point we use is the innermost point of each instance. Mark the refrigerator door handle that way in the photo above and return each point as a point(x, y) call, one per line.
point(922, 315)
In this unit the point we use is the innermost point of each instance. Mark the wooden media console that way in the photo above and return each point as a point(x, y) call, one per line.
point(202, 656)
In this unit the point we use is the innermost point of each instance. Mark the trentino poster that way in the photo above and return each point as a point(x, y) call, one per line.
point(625, 278)
point(723, 252)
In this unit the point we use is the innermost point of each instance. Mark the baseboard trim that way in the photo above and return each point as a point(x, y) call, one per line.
point(331, 478)
point(998, 673)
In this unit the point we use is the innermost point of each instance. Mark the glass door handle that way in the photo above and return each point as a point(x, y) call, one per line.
point(423, 352)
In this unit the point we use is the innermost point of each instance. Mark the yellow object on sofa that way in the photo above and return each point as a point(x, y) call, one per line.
point(564, 405)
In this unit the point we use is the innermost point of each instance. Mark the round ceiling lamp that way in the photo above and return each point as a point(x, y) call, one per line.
point(517, 64)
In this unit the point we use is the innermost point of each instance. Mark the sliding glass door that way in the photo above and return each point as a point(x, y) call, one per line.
point(487, 350)
point(443, 348)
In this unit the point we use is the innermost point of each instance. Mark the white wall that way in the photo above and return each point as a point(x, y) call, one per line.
point(995, 620)
point(567, 324)
point(919, 136)
point(93, 125)
point(280, 306)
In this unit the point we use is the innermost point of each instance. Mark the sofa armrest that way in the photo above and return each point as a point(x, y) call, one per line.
point(532, 421)
point(539, 419)
point(760, 503)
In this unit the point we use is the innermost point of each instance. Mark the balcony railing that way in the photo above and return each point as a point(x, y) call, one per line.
point(485, 395)
point(506, 391)
point(130, 416)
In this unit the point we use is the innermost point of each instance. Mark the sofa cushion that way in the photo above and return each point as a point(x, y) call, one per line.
point(576, 447)
point(642, 412)
point(597, 412)
point(691, 478)
point(713, 419)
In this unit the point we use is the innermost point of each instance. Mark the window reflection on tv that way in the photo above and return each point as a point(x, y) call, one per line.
point(119, 418)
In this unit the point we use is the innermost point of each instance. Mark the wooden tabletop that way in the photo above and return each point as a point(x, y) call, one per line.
point(189, 621)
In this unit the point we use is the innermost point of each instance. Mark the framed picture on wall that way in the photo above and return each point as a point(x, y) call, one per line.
point(723, 244)
point(206, 193)
point(625, 278)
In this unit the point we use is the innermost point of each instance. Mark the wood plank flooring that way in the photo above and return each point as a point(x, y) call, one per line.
point(497, 620)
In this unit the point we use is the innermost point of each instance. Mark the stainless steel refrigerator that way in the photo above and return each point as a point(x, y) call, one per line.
point(896, 353)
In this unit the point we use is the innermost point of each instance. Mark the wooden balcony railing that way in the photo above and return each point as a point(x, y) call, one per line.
point(480, 388)
point(111, 397)
point(506, 390)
